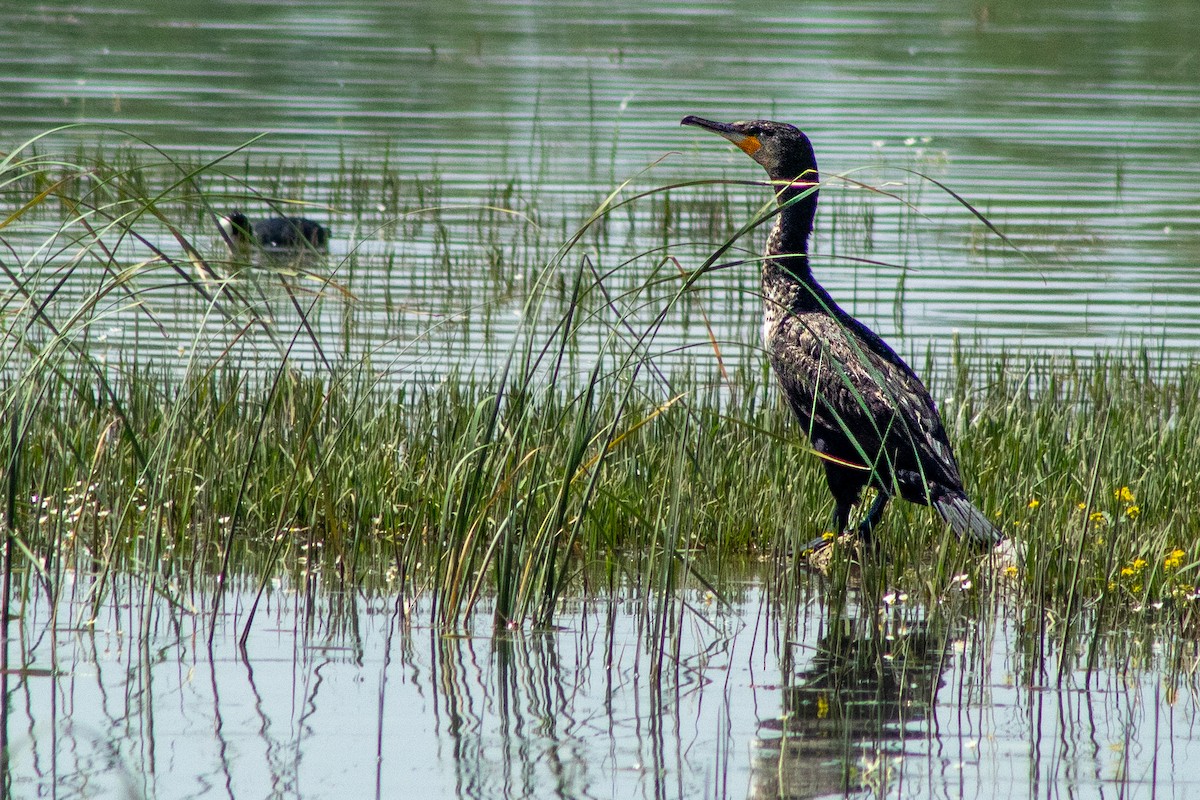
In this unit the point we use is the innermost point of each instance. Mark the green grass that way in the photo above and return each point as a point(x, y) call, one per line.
point(577, 466)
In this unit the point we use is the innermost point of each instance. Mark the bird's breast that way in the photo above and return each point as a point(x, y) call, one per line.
point(772, 317)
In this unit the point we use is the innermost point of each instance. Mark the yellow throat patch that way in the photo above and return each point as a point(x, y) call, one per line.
point(749, 145)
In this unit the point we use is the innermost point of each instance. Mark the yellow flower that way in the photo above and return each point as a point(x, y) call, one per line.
point(1134, 568)
point(1174, 559)
point(1081, 506)
point(1010, 571)
point(1097, 517)
point(1034, 503)
point(1123, 494)
point(1133, 511)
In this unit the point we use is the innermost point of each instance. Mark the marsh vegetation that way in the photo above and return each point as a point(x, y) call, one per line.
point(568, 436)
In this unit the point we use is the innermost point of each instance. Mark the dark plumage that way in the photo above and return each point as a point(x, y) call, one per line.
point(276, 233)
point(865, 411)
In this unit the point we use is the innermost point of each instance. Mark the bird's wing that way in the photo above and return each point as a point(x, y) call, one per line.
point(862, 390)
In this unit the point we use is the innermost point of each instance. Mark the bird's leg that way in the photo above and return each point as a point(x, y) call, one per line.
point(841, 517)
point(839, 524)
point(873, 516)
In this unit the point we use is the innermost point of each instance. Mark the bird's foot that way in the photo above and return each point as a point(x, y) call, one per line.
point(861, 535)
point(816, 545)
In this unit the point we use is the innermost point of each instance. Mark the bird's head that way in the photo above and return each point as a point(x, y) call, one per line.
point(236, 226)
point(782, 149)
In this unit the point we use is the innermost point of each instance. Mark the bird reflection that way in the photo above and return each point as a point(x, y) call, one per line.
point(851, 711)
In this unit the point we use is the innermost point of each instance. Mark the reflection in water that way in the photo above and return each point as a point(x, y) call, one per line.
point(345, 696)
point(518, 738)
point(866, 693)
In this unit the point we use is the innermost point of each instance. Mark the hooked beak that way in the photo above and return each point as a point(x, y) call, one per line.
point(748, 144)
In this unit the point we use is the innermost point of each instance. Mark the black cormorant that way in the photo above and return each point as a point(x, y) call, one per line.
point(276, 233)
point(865, 411)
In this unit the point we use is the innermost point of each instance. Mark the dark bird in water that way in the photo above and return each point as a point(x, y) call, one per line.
point(276, 233)
point(867, 414)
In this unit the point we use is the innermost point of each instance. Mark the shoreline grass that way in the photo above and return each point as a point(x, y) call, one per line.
point(464, 490)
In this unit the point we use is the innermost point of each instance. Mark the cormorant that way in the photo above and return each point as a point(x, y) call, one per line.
point(276, 233)
point(865, 411)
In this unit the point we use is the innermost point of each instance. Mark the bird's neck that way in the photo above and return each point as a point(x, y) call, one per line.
point(786, 268)
point(797, 211)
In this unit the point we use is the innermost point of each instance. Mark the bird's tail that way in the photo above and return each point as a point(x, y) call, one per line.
point(967, 521)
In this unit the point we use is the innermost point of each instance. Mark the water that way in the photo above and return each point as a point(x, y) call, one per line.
point(1075, 128)
point(346, 697)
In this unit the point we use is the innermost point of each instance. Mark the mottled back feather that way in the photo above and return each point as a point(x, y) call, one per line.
point(857, 400)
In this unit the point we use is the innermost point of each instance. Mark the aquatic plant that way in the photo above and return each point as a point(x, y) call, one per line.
point(576, 462)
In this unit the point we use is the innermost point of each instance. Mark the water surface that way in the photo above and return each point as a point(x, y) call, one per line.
point(337, 696)
point(1075, 128)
